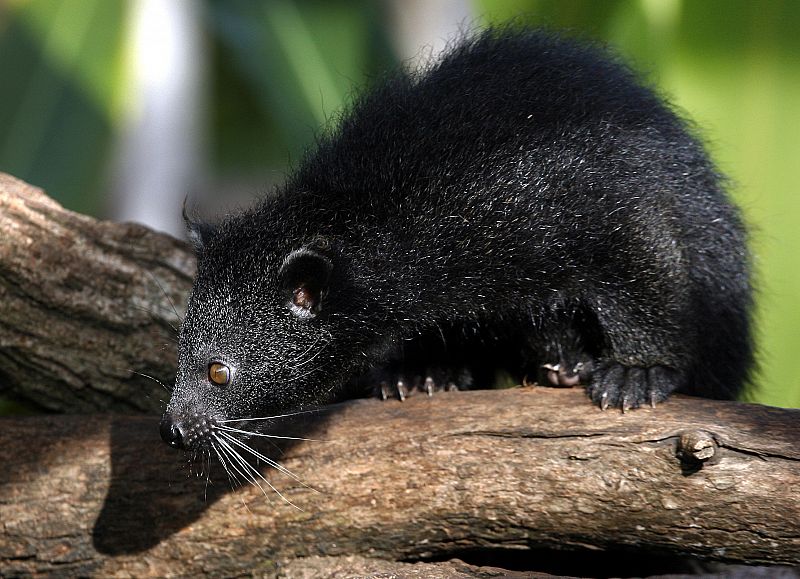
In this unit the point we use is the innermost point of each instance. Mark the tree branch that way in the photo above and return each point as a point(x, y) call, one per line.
point(514, 469)
point(84, 304)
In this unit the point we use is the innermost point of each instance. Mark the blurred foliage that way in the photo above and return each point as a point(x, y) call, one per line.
point(282, 69)
point(279, 70)
point(59, 61)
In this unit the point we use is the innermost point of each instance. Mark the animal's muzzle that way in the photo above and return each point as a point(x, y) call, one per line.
point(186, 432)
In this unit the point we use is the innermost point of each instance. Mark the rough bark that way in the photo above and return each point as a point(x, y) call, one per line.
point(85, 305)
point(428, 478)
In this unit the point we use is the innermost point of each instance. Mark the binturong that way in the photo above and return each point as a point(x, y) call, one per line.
point(526, 201)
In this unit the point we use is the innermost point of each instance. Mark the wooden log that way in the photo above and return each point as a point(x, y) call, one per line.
point(86, 306)
point(427, 478)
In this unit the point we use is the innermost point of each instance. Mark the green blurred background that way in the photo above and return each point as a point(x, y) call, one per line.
point(272, 73)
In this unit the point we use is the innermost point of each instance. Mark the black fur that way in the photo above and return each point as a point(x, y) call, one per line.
point(526, 192)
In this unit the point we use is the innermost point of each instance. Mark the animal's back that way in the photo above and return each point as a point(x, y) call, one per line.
point(530, 176)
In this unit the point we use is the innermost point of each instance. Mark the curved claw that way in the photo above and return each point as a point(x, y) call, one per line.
point(630, 387)
point(384, 390)
point(402, 391)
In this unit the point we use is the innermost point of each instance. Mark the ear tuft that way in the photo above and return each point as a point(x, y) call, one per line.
point(198, 232)
point(305, 274)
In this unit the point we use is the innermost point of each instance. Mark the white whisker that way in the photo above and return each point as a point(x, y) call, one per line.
point(238, 457)
point(207, 465)
point(270, 417)
point(232, 478)
point(256, 472)
point(157, 320)
point(154, 379)
point(303, 375)
point(266, 459)
point(223, 463)
point(169, 299)
point(249, 433)
point(300, 357)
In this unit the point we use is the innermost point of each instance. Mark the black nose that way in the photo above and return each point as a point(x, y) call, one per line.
point(171, 432)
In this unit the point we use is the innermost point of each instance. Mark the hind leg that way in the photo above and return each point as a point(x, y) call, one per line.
point(642, 361)
point(621, 360)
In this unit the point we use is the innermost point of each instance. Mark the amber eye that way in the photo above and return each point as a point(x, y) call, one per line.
point(219, 373)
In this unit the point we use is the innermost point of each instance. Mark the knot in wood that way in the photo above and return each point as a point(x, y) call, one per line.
point(696, 446)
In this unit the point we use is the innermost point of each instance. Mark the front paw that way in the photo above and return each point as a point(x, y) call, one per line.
point(400, 386)
point(627, 387)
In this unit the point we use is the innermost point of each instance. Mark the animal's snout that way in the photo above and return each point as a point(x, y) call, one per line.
point(171, 431)
point(186, 432)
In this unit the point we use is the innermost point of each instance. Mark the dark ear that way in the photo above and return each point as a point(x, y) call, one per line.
point(198, 232)
point(305, 274)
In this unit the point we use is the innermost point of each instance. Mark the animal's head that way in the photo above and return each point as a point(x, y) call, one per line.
point(262, 331)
